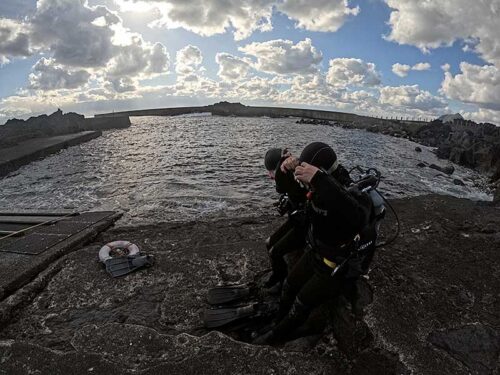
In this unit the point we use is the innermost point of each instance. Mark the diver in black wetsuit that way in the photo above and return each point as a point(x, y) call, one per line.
point(335, 217)
point(289, 237)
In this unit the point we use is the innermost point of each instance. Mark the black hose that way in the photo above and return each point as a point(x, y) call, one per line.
point(398, 226)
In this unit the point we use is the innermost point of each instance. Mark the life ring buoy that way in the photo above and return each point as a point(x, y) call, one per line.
point(104, 253)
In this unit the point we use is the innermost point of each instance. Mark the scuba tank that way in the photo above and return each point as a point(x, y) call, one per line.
point(362, 255)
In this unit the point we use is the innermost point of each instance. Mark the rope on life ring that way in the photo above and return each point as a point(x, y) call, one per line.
point(105, 252)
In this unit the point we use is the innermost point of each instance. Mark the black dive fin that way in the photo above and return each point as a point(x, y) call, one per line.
point(120, 266)
point(225, 294)
point(214, 318)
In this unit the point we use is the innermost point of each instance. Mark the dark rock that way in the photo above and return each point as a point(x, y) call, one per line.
point(458, 182)
point(447, 170)
point(475, 345)
point(421, 165)
point(496, 196)
point(418, 149)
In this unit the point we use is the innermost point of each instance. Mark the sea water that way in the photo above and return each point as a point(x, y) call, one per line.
point(191, 167)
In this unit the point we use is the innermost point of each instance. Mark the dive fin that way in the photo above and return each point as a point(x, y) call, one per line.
point(122, 265)
point(214, 318)
point(224, 294)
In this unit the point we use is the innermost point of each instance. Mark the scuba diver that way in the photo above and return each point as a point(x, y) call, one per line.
point(340, 225)
point(336, 217)
point(290, 236)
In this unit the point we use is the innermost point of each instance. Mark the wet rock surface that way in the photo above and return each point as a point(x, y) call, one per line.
point(430, 305)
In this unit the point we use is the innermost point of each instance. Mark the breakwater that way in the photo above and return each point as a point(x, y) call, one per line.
point(240, 110)
point(22, 142)
point(16, 131)
point(14, 157)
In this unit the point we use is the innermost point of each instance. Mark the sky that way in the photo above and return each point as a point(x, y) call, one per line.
point(404, 58)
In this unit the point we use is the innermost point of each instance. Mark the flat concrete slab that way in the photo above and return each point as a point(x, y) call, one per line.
point(22, 258)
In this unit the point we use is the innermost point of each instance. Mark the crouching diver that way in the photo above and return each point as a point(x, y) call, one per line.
point(290, 236)
point(335, 218)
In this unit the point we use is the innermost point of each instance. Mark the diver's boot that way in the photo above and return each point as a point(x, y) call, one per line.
point(292, 320)
point(279, 268)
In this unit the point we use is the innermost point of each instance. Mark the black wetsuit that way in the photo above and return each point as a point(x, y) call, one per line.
point(335, 217)
point(291, 236)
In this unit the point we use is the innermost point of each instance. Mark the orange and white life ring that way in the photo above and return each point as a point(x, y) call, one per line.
point(105, 252)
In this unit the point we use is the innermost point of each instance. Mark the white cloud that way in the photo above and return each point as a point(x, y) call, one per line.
point(421, 66)
point(483, 115)
point(14, 40)
point(187, 60)
point(67, 29)
point(210, 17)
point(411, 97)
point(401, 69)
point(446, 67)
point(434, 23)
point(348, 71)
point(284, 57)
point(48, 75)
point(475, 84)
point(318, 15)
point(139, 59)
point(232, 67)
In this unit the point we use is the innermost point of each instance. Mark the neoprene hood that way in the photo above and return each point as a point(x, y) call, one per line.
point(272, 158)
point(320, 155)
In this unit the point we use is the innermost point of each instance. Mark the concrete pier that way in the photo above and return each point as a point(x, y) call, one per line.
point(11, 158)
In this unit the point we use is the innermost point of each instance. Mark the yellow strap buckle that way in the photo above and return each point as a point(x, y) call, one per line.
point(329, 263)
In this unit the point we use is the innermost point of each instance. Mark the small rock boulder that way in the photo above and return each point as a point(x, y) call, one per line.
point(458, 182)
point(447, 170)
point(418, 149)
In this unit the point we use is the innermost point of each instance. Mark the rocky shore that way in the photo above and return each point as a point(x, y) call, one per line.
point(430, 305)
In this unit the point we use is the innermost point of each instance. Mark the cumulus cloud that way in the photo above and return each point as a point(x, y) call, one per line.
point(14, 40)
point(446, 67)
point(187, 60)
point(348, 71)
point(138, 59)
point(411, 97)
point(284, 57)
point(483, 115)
point(210, 17)
point(68, 29)
point(231, 67)
point(318, 15)
point(421, 66)
point(475, 84)
point(402, 70)
point(47, 75)
point(435, 23)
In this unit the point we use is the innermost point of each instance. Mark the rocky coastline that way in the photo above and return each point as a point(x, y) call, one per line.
point(430, 304)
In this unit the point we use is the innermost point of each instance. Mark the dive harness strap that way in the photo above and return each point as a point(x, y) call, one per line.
point(340, 261)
